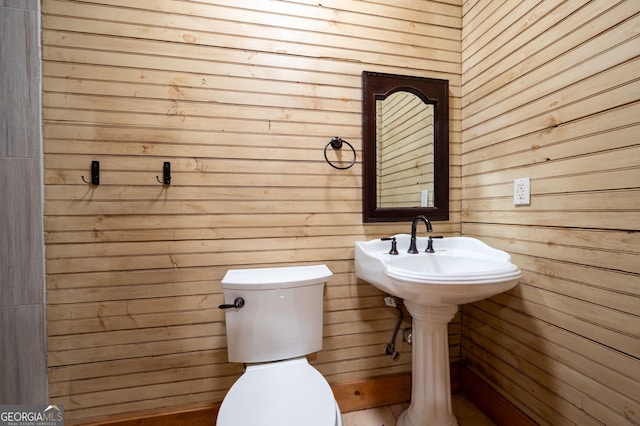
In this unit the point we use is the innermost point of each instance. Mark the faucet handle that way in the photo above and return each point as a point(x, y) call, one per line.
point(430, 243)
point(394, 244)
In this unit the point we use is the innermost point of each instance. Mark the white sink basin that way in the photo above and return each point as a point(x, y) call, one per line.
point(462, 270)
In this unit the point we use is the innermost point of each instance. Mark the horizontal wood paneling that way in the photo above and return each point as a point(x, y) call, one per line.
point(241, 97)
point(550, 92)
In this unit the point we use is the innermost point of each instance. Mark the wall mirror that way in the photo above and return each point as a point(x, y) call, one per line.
point(405, 147)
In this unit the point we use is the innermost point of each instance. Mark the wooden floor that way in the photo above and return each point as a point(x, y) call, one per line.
point(465, 411)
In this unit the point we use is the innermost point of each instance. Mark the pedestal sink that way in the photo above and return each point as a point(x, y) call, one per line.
point(462, 270)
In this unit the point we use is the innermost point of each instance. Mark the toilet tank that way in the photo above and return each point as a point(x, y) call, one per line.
point(282, 313)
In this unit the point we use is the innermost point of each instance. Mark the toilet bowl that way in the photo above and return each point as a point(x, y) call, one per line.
point(274, 319)
point(284, 393)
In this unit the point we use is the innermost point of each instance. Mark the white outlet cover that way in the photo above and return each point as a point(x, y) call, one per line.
point(522, 192)
point(425, 198)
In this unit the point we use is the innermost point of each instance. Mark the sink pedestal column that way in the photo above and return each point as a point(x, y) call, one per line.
point(431, 381)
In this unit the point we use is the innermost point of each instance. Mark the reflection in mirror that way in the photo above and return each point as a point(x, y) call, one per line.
point(405, 151)
point(405, 147)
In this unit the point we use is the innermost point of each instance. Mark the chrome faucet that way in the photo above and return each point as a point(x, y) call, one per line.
point(412, 247)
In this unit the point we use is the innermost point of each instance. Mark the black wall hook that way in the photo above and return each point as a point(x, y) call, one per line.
point(166, 174)
point(95, 173)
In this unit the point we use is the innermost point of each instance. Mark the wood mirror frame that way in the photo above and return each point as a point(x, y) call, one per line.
point(378, 86)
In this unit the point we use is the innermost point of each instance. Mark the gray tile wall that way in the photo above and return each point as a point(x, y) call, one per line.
point(23, 370)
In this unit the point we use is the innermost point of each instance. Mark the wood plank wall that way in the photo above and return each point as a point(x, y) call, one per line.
point(241, 97)
point(551, 92)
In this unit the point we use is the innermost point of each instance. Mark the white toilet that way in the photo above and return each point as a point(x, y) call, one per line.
point(274, 319)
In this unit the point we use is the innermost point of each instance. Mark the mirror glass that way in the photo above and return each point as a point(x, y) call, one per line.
point(405, 147)
point(404, 139)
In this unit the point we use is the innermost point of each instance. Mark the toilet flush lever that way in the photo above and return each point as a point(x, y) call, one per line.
point(237, 304)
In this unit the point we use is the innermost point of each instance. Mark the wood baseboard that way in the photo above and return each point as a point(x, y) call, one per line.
point(494, 405)
point(192, 416)
point(374, 392)
point(351, 396)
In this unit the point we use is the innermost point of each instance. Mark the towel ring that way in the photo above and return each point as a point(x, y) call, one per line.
point(336, 143)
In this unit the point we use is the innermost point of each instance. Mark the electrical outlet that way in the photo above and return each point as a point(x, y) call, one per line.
point(425, 198)
point(521, 192)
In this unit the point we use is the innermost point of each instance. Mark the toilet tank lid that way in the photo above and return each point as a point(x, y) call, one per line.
point(283, 277)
